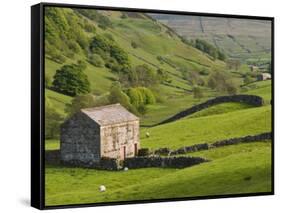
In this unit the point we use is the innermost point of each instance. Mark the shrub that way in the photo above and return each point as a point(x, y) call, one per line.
point(194, 78)
point(247, 79)
point(85, 101)
point(142, 109)
point(222, 82)
point(73, 46)
point(79, 102)
point(109, 50)
point(89, 27)
point(134, 44)
point(145, 76)
point(71, 80)
point(96, 60)
point(55, 55)
point(140, 96)
point(135, 96)
point(148, 97)
point(116, 95)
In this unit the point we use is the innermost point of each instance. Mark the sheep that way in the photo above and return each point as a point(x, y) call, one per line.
point(147, 134)
point(102, 188)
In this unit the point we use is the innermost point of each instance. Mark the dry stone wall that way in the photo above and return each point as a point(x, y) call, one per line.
point(247, 99)
point(164, 162)
point(206, 146)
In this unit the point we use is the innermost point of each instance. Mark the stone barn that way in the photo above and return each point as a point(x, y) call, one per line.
point(263, 76)
point(99, 133)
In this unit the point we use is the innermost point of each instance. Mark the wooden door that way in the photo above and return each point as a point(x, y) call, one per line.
point(136, 149)
point(124, 152)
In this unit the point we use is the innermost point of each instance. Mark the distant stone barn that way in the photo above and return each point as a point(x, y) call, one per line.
point(94, 133)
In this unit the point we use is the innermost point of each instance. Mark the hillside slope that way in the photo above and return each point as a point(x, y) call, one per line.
point(69, 33)
point(239, 38)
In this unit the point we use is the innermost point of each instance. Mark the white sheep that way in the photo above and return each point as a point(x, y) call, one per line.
point(147, 134)
point(102, 188)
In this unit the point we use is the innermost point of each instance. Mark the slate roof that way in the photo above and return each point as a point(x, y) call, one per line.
point(109, 114)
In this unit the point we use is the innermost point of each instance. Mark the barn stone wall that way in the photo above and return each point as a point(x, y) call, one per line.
point(80, 139)
point(115, 137)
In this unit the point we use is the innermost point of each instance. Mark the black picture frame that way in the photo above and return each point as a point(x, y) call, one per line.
point(38, 104)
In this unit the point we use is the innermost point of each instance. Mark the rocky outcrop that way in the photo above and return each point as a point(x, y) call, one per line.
point(247, 99)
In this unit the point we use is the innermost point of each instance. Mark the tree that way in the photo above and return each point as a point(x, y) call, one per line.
point(79, 102)
point(197, 92)
point(248, 79)
point(135, 96)
point(222, 82)
point(119, 54)
point(231, 87)
point(116, 95)
point(194, 78)
point(71, 80)
point(145, 76)
point(148, 96)
point(85, 101)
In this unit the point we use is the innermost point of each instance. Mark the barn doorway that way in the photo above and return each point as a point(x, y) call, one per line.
point(136, 149)
point(124, 152)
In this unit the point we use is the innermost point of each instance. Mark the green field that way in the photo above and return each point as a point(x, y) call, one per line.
point(243, 168)
point(235, 169)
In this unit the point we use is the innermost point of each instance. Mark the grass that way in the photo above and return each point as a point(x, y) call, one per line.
point(220, 109)
point(261, 88)
point(233, 173)
point(189, 131)
point(52, 144)
point(242, 168)
point(58, 100)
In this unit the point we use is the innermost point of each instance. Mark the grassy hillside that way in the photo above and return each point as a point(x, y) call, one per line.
point(240, 38)
point(153, 40)
point(189, 131)
point(152, 61)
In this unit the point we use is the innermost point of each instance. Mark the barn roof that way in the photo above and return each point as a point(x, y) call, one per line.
point(109, 114)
